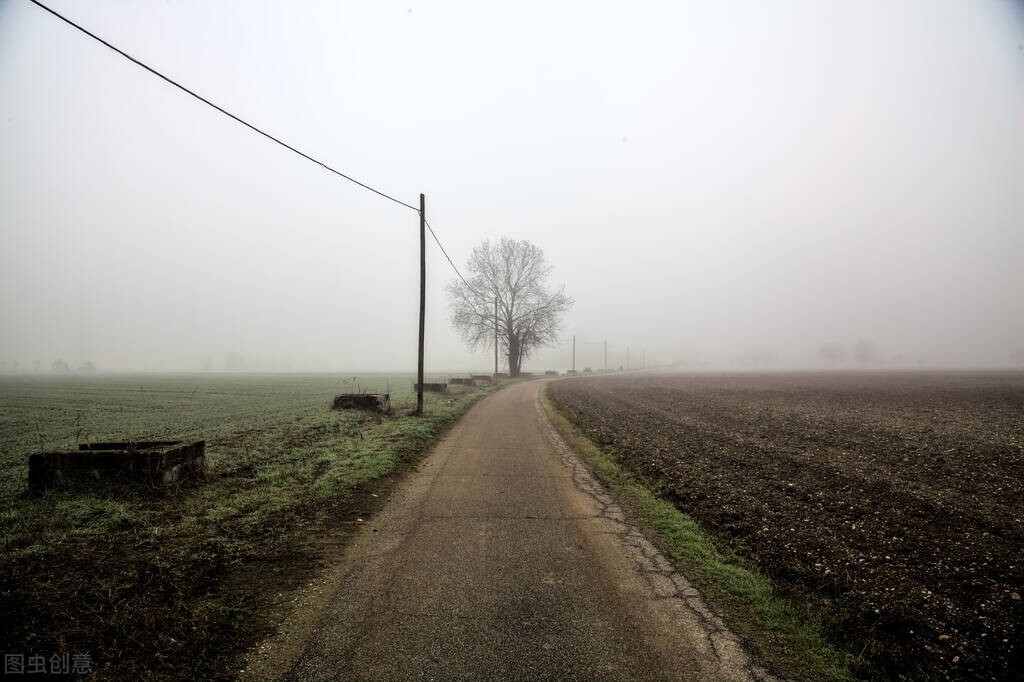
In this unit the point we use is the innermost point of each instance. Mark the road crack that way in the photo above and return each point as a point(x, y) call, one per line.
point(665, 582)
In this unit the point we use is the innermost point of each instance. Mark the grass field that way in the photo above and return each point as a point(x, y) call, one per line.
point(154, 583)
point(892, 502)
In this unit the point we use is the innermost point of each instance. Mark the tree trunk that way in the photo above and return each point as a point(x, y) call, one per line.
point(514, 357)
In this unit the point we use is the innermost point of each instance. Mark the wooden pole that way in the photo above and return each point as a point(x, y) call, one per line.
point(606, 355)
point(423, 301)
point(627, 357)
point(574, 352)
point(495, 338)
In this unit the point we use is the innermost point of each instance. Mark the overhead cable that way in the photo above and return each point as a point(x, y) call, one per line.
point(450, 262)
point(254, 128)
point(219, 108)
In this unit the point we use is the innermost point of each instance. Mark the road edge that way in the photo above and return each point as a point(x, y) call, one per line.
point(785, 636)
point(272, 656)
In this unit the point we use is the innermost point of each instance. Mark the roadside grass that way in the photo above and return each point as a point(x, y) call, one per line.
point(791, 637)
point(176, 583)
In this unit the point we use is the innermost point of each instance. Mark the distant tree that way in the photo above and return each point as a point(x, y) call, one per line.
point(513, 273)
point(59, 365)
point(832, 353)
point(87, 366)
point(758, 357)
point(865, 352)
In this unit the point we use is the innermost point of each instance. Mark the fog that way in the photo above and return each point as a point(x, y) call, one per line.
point(717, 184)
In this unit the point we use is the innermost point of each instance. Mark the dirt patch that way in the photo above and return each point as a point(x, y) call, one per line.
point(894, 500)
point(164, 606)
point(274, 585)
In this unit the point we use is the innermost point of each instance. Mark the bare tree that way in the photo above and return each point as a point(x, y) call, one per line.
point(865, 351)
point(832, 353)
point(511, 273)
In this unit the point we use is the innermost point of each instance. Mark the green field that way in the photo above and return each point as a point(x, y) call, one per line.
point(161, 583)
point(48, 412)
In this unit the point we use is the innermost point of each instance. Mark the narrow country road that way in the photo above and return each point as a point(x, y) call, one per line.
point(502, 558)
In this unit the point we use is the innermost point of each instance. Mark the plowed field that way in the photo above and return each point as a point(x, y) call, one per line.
point(894, 501)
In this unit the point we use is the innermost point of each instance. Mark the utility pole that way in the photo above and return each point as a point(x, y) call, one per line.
point(573, 352)
point(627, 357)
point(423, 301)
point(606, 355)
point(495, 338)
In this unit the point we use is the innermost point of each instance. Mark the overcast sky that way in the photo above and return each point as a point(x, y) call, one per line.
point(712, 181)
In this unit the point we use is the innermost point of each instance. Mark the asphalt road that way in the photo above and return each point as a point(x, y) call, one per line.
point(502, 558)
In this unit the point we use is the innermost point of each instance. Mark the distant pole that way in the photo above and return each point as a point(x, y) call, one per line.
point(643, 359)
point(495, 337)
point(574, 352)
point(423, 301)
point(627, 357)
point(606, 354)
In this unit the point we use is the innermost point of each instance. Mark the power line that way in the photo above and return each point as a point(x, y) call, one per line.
point(255, 129)
point(450, 262)
point(456, 269)
point(221, 109)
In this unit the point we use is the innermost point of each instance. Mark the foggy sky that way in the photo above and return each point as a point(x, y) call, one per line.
point(713, 182)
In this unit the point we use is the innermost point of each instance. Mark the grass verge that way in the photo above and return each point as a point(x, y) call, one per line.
point(175, 584)
point(790, 637)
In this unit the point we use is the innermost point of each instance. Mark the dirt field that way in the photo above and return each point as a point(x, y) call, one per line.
point(893, 500)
